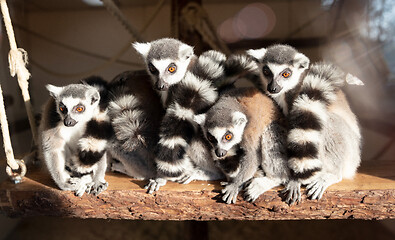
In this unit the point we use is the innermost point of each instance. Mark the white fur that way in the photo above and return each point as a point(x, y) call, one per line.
point(353, 80)
point(239, 119)
point(317, 107)
point(211, 67)
point(181, 166)
point(257, 53)
point(92, 144)
point(142, 48)
point(219, 132)
point(171, 78)
point(204, 87)
point(54, 90)
point(180, 112)
point(301, 60)
point(301, 165)
point(172, 142)
point(302, 136)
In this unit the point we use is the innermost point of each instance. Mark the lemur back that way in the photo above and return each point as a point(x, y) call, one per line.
point(318, 116)
point(187, 84)
point(246, 132)
point(74, 130)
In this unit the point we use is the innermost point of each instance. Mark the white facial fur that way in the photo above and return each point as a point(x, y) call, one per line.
point(171, 78)
point(239, 121)
point(71, 103)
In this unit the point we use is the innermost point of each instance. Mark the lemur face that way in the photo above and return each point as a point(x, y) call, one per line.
point(280, 78)
point(224, 139)
point(166, 59)
point(281, 67)
point(75, 103)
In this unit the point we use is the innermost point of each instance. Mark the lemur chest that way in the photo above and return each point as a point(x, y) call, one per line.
point(71, 135)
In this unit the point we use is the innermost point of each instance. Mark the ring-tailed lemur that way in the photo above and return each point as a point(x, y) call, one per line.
point(246, 132)
point(74, 131)
point(324, 139)
point(187, 84)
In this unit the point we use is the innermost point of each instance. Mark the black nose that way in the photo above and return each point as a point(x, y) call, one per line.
point(161, 86)
point(69, 122)
point(220, 152)
point(273, 87)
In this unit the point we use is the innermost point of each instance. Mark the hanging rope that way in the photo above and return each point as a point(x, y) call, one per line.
point(17, 58)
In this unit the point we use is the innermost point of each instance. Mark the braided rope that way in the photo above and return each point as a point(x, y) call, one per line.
point(17, 58)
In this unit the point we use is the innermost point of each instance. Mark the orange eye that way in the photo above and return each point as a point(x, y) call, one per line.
point(286, 74)
point(171, 69)
point(228, 136)
point(61, 109)
point(79, 109)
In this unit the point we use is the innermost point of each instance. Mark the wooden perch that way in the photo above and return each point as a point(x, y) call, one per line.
point(371, 195)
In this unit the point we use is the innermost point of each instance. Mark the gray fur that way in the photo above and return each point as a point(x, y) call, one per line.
point(164, 48)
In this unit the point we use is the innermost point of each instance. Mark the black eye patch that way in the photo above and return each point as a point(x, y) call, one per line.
point(153, 69)
point(266, 71)
point(62, 108)
point(211, 138)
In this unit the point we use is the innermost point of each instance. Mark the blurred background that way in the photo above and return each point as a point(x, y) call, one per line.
point(69, 40)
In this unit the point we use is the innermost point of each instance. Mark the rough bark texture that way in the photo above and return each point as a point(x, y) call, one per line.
point(365, 197)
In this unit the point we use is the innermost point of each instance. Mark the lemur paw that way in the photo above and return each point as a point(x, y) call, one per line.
point(292, 192)
point(98, 187)
point(316, 189)
point(230, 193)
point(185, 179)
point(253, 191)
point(154, 185)
point(80, 190)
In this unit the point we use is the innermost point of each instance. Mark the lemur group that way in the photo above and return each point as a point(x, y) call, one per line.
point(293, 127)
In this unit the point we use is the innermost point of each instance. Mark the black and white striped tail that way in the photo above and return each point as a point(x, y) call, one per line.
point(127, 118)
point(308, 116)
point(93, 144)
point(194, 95)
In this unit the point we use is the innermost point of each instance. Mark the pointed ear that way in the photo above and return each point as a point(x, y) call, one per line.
point(53, 90)
point(93, 95)
point(185, 51)
point(258, 54)
point(200, 119)
point(142, 48)
point(239, 119)
point(301, 61)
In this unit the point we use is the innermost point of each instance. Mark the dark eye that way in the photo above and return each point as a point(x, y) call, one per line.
point(211, 138)
point(286, 74)
point(79, 109)
point(152, 69)
point(228, 136)
point(266, 71)
point(172, 68)
point(62, 108)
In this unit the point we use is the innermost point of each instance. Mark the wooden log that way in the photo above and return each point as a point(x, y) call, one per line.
point(368, 196)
